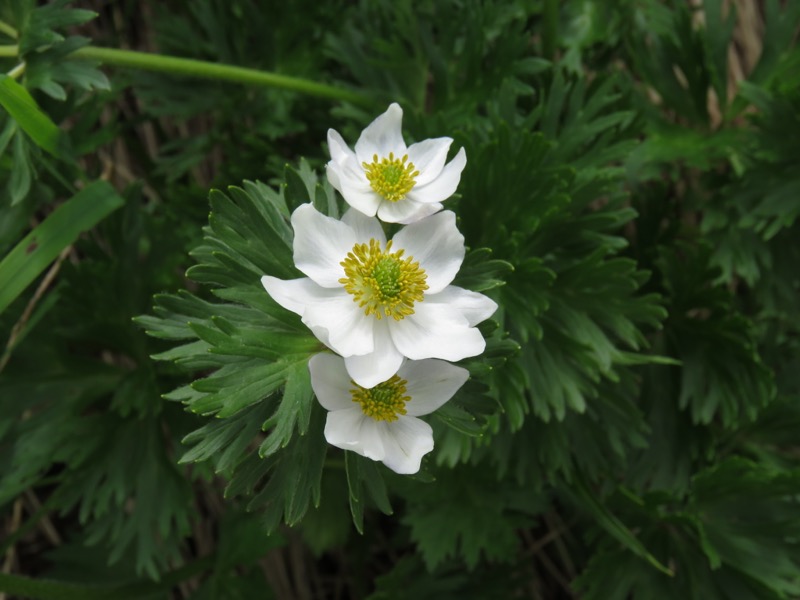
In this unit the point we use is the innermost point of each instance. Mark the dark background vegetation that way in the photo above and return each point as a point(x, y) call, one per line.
point(632, 432)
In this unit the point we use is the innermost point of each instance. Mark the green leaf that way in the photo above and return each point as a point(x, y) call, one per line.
point(293, 411)
point(296, 476)
point(589, 501)
point(19, 184)
point(469, 512)
point(39, 30)
point(224, 441)
point(24, 110)
point(41, 246)
point(751, 519)
point(364, 473)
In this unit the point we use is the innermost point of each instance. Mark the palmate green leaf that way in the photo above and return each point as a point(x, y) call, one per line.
point(674, 444)
point(616, 574)
point(480, 273)
point(571, 301)
point(52, 432)
point(49, 70)
point(160, 492)
point(735, 537)
point(582, 496)
point(241, 384)
point(329, 525)
point(750, 516)
point(675, 63)
point(484, 526)
point(585, 330)
point(579, 117)
point(113, 471)
point(363, 475)
point(257, 353)
point(723, 375)
point(225, 441)
point(42, 245)
point(294, 410)
point(16, 100)
point(600, 440)
point(295, 476)
point(38, 31)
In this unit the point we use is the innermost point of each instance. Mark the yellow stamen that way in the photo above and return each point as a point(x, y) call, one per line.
point(391, 177)
point(385, 401)
point(383, 282)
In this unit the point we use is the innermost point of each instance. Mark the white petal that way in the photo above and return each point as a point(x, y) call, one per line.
point(365, 228)
point(345, 165)
point(473, 306)
point(405, 211)
point(320, 244)
point(382, 136)
point(436, 331)
point(431, 383)
point(332, 171)
point(354, 187)
point(296, 294)
point(408, 440)
point(351, 429)
point(349, 330)
point(428, 157)
point(371, 369)
point(438, 246)
point(444, 185)
point(340, 152)
point(330, 381)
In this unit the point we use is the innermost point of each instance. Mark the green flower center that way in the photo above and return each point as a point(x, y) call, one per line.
point(383, 282)
point(392, 178)
point(385, 401)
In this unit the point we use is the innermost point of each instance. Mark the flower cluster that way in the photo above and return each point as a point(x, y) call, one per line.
point(385, 307)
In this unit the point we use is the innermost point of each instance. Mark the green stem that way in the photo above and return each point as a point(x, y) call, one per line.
point(17, 71)
point(45, 589)
point(208, 70)
point(8, 30)
point(7, 51)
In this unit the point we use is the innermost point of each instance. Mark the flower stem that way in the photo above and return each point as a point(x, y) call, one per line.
point(7, 51)
point(208, 70)
point(17, 71)
point(8, 30)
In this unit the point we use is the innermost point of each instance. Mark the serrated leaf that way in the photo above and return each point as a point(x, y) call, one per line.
point(363, 475)
point(293, 412)
point(587, 500)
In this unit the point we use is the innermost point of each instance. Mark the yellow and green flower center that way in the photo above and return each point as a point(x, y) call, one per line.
point(391, 177)
point(385, 401)
point(383, 282)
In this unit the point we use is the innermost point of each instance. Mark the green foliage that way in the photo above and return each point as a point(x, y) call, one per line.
point(631, 430)
point(21, 106)
point(38, 249)
point(481, 525)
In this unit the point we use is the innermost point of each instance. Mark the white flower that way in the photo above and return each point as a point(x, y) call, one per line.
point(381, 422)
point(375, 302)
point(400, 184)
